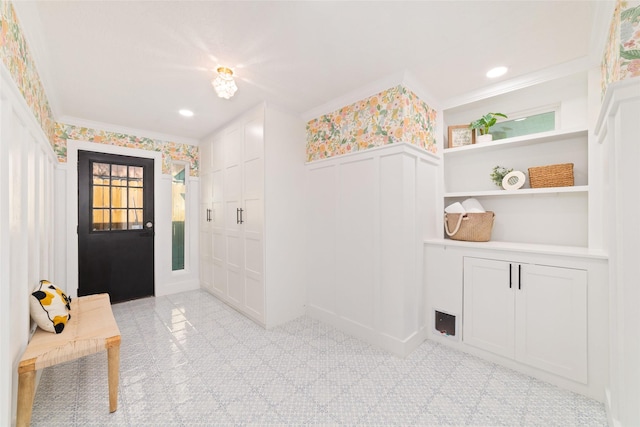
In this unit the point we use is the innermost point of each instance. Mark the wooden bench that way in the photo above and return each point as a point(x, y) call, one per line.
point(91, 329)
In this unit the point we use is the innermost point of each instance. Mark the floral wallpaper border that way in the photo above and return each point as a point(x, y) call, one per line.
point(622, 54)
point(170, 150)
point(16, 56)
point(391, 116)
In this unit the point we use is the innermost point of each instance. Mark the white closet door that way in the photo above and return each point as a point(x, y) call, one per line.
point(219, 246)
point(551, 322)
point(253, 217)
point(232, 206)
point(489, 312)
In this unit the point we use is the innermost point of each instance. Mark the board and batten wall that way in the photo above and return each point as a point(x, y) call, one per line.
point(368, 215)
point(27, 164)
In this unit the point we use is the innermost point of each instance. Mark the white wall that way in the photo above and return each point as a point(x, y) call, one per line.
point(166, 281)
point(26, 218)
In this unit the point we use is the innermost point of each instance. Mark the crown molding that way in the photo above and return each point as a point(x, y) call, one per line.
point(545, 75)
point(126, 130)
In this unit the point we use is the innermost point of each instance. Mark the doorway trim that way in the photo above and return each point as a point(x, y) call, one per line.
point(73, 146)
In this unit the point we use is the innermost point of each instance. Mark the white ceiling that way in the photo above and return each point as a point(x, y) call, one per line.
point(134, 64)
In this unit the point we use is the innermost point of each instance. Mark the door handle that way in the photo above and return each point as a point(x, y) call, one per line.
point(510, 281)
point(241, 220)
point(519, 276)
point(237, 215)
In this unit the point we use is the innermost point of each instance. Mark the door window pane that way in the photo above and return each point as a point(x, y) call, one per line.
point(118, 219)
point(101, 220)
point(135, 219)
point(119, 175)
point(100, 196)
point(118, 197)
point(135, 198)
point(135, 176)
point(101, 173)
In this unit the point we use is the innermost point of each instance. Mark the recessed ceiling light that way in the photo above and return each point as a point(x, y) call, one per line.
point(186, 113)
point(496, 72)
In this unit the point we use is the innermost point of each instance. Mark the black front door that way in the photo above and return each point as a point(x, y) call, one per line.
point(115, 225)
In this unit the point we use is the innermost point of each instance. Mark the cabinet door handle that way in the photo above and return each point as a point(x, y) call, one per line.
point(519, 276)
point(510, 281)
point(237, 215)
point(241, 219)
point(208, 217)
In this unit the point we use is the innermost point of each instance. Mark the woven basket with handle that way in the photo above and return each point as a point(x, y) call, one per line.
point(470, 227)
point(560, 175)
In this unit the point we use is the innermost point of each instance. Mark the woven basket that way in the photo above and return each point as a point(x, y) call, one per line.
point(551, 176)
point(470, 227)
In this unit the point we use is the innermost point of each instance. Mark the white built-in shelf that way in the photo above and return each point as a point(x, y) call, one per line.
point(521, 192)
point(573, 251)
point(520, 141)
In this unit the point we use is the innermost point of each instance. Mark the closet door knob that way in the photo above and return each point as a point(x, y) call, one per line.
point(510, 281)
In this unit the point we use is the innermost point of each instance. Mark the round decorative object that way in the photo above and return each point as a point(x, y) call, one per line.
point(513, 180)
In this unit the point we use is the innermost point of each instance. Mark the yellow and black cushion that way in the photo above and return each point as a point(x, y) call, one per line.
point(50, 307)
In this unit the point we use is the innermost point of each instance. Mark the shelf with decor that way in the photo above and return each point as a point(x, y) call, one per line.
point(518, 141)
point(521, 192)
point(554, 215)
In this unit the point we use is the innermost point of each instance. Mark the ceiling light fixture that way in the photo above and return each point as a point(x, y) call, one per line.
point(224, 84)
point(496, 72)
point(186, 113)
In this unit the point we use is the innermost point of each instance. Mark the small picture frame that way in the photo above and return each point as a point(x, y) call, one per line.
point(460, 135)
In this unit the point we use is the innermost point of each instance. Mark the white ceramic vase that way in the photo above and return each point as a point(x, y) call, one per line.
point(487, 137)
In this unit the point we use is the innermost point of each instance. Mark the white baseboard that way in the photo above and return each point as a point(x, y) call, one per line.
point(394, 345)
point(174, 288)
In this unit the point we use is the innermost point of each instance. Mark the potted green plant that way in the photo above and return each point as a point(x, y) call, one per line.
point(498, 175)
point(483, 124)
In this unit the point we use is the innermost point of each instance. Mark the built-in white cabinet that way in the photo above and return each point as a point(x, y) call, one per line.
point(533, 298)
point(252, 246)
point(541, 310)
point(534, 314)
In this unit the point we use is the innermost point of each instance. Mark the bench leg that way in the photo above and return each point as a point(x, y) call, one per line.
point(113, 354)
point(26, 392)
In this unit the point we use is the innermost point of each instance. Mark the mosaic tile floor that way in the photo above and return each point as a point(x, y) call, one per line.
point(188, 359)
